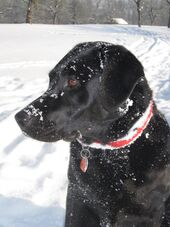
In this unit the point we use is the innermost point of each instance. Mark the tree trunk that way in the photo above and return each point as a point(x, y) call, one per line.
point(29, 11)
point(169, 19)
point(139, 18)
point(139, 12)
point(54, 18)
point(74, 17)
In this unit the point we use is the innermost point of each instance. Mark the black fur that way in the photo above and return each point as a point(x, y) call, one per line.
point(128, 187)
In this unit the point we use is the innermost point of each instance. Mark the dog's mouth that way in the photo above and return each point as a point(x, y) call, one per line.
point(49, 134)
point(54, 136)
point(45, 131)
point(40, 135)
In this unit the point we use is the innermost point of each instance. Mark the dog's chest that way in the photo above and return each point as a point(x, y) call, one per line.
point(112, 182)
point(111, 172)
point(103, 169)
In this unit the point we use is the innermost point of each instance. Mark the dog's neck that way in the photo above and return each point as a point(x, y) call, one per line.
point(132, 135)
point(124, 131)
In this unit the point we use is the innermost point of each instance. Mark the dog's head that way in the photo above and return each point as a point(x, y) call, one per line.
point(86, 88)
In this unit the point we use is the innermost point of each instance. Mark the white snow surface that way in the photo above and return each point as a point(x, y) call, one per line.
point(33, 175)
point(119, 21)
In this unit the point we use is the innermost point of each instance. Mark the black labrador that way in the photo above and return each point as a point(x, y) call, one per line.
point(99, 99)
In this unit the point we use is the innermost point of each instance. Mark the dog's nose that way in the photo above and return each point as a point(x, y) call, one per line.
point(22, 118)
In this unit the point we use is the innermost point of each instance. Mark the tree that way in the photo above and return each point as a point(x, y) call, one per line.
point(76, 11)
point(152, 15)
point(31, 4)
point(86, 15)
point(153, 10)
point(95, 8)
point(139, 9)
point(73, 11)
point(55, 9)
point(168, 2)
point(110, 10)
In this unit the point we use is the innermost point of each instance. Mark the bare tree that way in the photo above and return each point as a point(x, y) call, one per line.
point(55, 10)
point(97, 4)
point(88, 13)
point(168, 2)
point(110, 7)
point(152, 15)
point(139, 8)
point(31, 4)
point(73, 11)
point(153, 11)
point(85, 11)
point(76, 11)
point(96, 7)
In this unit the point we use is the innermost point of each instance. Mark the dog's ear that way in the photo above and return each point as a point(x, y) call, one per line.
point(121, 73)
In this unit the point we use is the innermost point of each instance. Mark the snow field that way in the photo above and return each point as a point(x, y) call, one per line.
point(33, 175)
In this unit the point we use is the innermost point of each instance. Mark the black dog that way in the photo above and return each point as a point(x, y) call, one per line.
point(99, 99)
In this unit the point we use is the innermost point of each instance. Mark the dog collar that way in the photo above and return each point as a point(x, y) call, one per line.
point(133, 134)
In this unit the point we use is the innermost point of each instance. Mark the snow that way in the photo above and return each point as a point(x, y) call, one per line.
point(33, 175)
point(119, 21)
point(54, 96)
point(126, 108)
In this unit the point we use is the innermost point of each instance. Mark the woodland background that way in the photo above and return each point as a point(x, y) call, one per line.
point(145, 12)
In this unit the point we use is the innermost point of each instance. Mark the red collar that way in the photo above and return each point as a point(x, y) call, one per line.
point(133, 134)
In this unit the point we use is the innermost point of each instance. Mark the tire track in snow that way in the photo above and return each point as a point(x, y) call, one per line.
point(8, 149)
point(46, 149)
point(150, 44)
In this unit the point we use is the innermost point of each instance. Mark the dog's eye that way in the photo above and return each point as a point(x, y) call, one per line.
point(72, 83)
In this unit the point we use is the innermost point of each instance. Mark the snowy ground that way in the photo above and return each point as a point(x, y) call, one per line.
point(33, 174)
